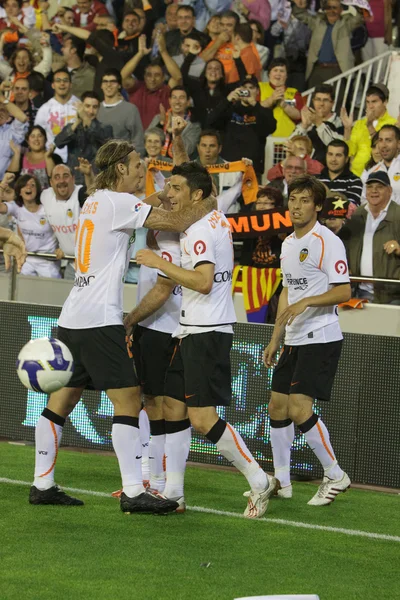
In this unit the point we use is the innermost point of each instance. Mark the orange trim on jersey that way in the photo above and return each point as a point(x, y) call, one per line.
point(322, 249)
point(237, 444)
point(321, 435)
point(56, 445)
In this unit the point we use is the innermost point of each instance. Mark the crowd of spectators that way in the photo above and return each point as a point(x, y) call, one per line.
point(75, 75)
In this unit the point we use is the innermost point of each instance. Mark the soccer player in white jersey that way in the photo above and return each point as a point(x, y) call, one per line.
point(154, 320)
point(199, 376)
point(91, 326)
point(315, 280)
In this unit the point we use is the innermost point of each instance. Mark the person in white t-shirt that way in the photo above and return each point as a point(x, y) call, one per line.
point(60, 110)
point(33, 226)
point(315, 280)
point(91, 326)
point(199, 376)
point(62, 203)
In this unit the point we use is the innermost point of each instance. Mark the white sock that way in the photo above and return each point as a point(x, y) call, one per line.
point(282, 436)
point(144, 428)
point(233, 448)
point(128, 448)
point(177, 446)
point(47, 441)
point(318, 439)
point(156, 462)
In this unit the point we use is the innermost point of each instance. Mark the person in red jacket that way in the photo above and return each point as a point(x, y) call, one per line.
point(85, 12)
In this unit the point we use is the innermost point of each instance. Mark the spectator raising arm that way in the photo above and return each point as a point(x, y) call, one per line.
point(78, 32)
point(171, 66)
point(129, 68)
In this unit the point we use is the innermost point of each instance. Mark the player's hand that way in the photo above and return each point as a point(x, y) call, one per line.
point(270, 352)
point(148, 258)
point(59, 254)
point(247, 161)
point(178, 125)
point(15, 247)
point(292, 311)
point(392, 247)
point(129, 324)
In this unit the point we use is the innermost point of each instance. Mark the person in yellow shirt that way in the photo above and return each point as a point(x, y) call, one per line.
point(286, 102)
point(359, 134)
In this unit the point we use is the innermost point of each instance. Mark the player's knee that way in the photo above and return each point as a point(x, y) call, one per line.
point(299, 409)
point(202, 422)
point(174, 410)
point(154, 407)
point(278, 406)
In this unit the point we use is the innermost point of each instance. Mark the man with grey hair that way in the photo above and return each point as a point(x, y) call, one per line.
point(293, 166)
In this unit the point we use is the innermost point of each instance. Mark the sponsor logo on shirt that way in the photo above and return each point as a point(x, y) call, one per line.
point(199, 247)
point(341, 267)
point(64, 228)
point(223, 276)
point(303, 254)
point(177, 291)
point(166, 256)
point(300, 283)
point(81, 281)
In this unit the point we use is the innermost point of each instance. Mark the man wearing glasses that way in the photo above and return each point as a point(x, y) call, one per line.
point(123, 116)
point(330, 50)
point(60, 110)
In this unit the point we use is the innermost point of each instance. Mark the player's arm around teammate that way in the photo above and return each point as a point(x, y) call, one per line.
point(200, 279)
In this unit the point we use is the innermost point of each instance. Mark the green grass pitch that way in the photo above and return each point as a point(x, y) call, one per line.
point(96, 552)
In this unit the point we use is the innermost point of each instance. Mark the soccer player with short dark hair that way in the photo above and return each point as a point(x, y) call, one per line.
point(315, 280)
point(199, 377)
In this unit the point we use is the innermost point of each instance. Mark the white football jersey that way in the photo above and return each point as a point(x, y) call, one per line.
point(166, 319)
point(35, 227)
point(208, 241)
point(105, 233)
point(63, 217)
point(311, 266)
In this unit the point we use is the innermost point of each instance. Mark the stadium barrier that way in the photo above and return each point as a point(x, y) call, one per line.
point(363, 416)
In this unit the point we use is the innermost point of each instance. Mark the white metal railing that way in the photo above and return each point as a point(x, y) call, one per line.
point(275, 152)
point(356, 81)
